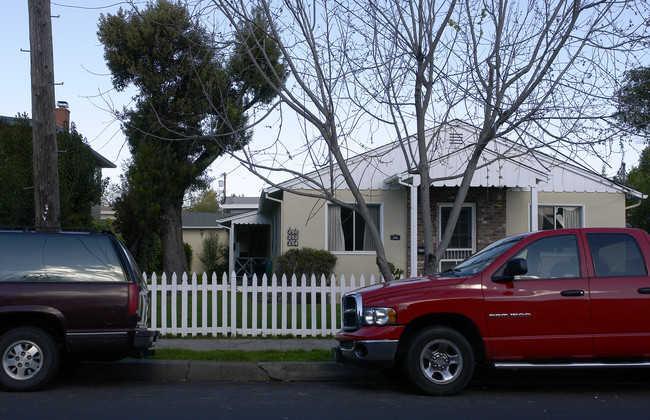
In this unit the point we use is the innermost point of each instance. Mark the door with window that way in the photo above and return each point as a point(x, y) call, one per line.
point(463, 240)
point(620, 289)
point(545, 313)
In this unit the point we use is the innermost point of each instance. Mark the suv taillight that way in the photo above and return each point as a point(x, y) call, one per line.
point(134, 299)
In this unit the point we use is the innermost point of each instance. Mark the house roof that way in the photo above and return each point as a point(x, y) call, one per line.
point(504, 164)
point(199, 220)
point(253, 217)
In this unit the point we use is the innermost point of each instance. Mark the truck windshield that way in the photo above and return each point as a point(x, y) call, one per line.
point(479, 261)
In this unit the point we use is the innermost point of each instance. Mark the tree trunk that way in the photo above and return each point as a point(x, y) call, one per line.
point(174, 260)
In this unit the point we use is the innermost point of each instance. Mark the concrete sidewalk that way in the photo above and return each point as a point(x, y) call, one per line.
point(182, 370)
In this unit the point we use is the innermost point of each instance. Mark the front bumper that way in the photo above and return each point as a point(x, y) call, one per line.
point(372, 353)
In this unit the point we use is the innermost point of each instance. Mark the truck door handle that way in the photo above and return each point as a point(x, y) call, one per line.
point(644, 290)
point(573, 292)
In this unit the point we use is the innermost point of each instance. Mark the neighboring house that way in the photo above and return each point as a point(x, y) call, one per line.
point(238, 205)
point(238, 209)
point(514, 190)
point(196, 228)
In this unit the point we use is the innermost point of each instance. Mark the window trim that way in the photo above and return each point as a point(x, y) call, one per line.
point(344, 252)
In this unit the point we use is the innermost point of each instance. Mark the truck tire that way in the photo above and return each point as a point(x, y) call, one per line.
point(30, 359)
point(439, 361)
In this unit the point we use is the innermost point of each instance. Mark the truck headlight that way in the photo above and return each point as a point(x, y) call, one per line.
point(379, 316)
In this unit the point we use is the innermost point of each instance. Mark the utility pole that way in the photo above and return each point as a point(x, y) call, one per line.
point(46, 177)
point(222, 184)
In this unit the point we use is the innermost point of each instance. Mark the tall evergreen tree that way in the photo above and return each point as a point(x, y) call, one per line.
point(190, 106)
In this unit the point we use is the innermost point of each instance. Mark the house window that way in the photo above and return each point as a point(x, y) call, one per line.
point(347, 231)
point(559, 217)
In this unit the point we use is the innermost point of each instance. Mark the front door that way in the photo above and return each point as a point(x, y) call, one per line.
point(253, 245)
point(545, 313)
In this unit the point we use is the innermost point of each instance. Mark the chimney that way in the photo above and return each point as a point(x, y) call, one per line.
point(62, 115)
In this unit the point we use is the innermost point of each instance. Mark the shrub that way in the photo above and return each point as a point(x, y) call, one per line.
point(306, 261)
point(397, 272)
point(188, 253)
point(214, 255)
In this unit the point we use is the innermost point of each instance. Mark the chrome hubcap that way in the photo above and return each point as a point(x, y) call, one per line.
point(441, 361)
point(22, 360)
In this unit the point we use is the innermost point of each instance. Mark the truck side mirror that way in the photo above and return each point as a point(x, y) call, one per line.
point(514, 267)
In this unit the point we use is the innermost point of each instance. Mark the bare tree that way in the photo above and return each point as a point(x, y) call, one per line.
point(541, 72)
point(315, 42)
point(411, 43)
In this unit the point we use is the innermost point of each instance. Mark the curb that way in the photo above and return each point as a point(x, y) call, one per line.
point(179, 370)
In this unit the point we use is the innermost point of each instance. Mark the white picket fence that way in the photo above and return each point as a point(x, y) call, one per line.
point(205, 306)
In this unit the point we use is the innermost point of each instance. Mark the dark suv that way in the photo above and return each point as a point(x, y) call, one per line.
point(67, 295)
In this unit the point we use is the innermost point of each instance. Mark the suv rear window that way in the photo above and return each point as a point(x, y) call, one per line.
point(39, 257)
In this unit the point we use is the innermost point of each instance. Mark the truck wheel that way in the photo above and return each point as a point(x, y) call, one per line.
point(30, 359)
point(439, 361)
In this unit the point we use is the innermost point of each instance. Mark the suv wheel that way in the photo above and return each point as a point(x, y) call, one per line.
point(30, 359)
point(439, 361)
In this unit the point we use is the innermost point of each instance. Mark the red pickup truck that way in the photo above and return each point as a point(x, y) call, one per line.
point(560, 298)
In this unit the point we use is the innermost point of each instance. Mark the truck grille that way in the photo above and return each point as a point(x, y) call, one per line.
point(351, 311)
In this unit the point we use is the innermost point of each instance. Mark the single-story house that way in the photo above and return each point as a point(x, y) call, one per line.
point(514, 190)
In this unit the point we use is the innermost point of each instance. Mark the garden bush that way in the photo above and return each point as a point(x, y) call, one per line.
point(306, 261)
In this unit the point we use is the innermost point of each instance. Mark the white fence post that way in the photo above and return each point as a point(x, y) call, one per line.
point(244, 305)
point(233, 304)
point(294, 305)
